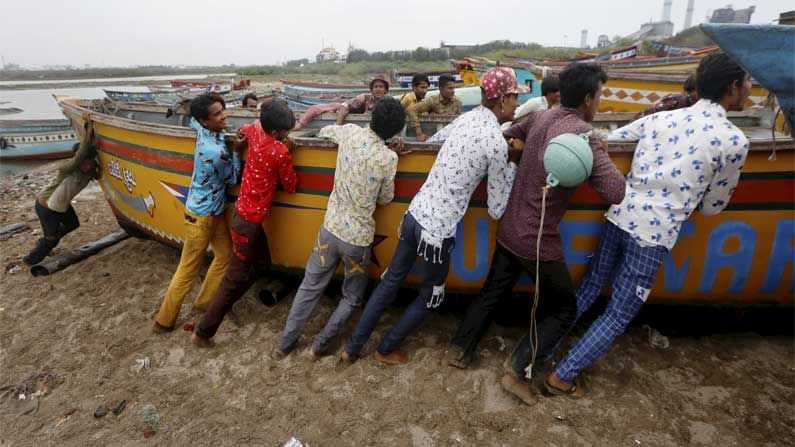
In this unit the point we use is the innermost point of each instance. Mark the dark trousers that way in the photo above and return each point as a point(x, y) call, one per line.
point(434, 266)
point(250, 256)
point(54, 226)
point(557, 300)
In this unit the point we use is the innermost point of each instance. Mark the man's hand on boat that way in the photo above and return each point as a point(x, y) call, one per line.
point(515, 147)
point(515, 143)
point(421, 137)
point(397, 146)
point(289, 143)
point(342, 112)
point(241, 142)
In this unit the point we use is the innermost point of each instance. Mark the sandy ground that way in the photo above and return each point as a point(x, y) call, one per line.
point(88, 324)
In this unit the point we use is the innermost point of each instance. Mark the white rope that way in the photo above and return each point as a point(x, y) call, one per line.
point(533, 325)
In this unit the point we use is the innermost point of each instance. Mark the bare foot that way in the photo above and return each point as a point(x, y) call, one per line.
point(458, 358)
point(202, 342)
point(511, 384)
point(396, 357)
point(345, 361)
point(158, 328)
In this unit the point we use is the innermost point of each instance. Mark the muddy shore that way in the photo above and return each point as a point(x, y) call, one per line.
point(79, 334)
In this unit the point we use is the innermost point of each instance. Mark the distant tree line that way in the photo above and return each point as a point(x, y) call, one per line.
point(422, 54)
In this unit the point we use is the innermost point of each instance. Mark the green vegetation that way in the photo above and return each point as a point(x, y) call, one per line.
point(361, 64)
point(691, 37)
point(113, 72)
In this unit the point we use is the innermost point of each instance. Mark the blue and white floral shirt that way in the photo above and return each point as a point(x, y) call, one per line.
point(474, 149)
point(685, 158)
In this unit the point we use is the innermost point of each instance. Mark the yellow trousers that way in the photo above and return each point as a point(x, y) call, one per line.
point(201, 231)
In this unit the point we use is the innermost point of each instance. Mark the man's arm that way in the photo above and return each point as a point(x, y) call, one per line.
point(413, 112)
point(724, 179)
point(605, 177)
point(520, 130)
point(631, 132)
point(84, 151)
point(387, 191)
point(500, 180)
point(331, 132)
point(287, 176)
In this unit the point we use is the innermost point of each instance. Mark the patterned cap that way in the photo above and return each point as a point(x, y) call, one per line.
point(499, 81)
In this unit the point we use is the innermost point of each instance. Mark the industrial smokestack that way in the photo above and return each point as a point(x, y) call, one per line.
point(666, 15)
point(689, 14)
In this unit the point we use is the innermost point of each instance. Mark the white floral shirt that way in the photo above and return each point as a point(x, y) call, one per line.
point(474, 148)
point(685, 159)
point(364, 177)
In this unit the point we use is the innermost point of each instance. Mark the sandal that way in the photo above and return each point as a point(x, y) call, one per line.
point(574, 392)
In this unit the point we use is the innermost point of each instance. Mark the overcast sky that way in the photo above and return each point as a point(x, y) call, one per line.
point(201, 32)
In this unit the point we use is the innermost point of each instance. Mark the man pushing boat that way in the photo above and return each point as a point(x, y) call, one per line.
point(268, 164)
point(364, 178)
point(214, 169)
point(685, 160)
point(474, 149)
point(54, 203)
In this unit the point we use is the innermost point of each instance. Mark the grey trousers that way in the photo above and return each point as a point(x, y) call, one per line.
point(329, 250)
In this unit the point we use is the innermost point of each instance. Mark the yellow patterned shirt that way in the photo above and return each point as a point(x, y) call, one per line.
point(364, 177)
point(433, 105)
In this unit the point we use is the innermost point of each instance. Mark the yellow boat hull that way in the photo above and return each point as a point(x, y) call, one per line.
point(743, 256)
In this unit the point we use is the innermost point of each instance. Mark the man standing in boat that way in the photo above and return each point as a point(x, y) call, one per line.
point(363, 103)
point(419, 88)
point(54, 204)
point(685, 160)
point(474, 150)
point(214, 169)
point(550, 97)
point(250, 101)
point(268, 164)
point(516, 252)
point(364, 178)
point(445, 103)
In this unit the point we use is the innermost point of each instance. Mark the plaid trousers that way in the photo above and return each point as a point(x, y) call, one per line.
point(632, 268)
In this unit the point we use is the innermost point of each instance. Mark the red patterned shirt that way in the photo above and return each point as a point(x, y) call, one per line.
point(269, 163)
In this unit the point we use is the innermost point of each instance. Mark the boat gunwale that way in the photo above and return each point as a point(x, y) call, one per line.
point(302, 139)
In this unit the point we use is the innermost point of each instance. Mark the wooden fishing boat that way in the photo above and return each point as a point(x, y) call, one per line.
point(10, 110)
point(239, 85)
point(633, 91)
point(324, 90)
point(36, 139)
point(404, 78)
point(157, 95)
point(742, 256)
point(767, 52)
point(472, 68)
point(469, 96)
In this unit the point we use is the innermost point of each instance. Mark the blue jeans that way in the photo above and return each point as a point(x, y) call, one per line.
point(433, 267)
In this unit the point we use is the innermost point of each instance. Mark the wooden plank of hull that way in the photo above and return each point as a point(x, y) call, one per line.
point(742, 256)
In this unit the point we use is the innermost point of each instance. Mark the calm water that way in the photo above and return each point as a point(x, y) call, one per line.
point(40, 104)
point(138, 78)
